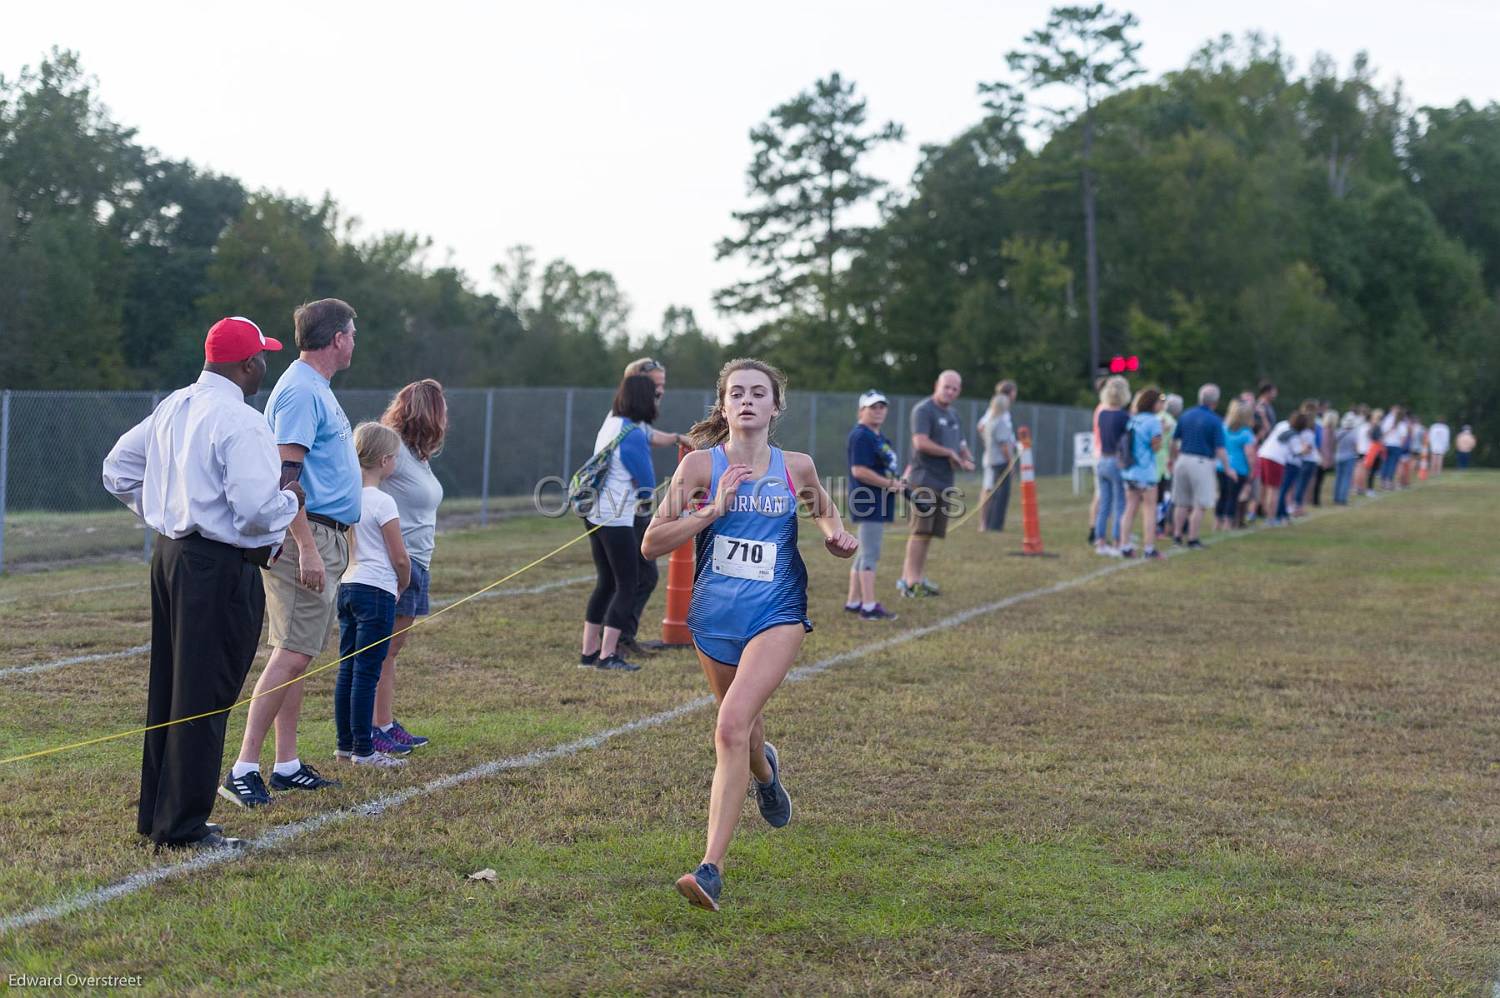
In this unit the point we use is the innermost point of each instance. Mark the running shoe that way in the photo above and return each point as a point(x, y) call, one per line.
point(903, 589)
point(851, 609)
point(379, 760)
point(876, 612)
point(246, 791)
point(1107, 551)
point(775, 803)
point(588, 661)
point(406, 737)
point(1091, 535)
point(1127, 552)
point(1151, 554)
point(617, 664)
point(384, 741)
point(928, 588)
point(702, 887)
point(305, 778)
point(342, 755)
point(1194, 544)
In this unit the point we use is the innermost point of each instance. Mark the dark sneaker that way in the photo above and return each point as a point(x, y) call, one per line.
point(215, 839)
point(1151, 554)
point(246, 791)
point(617, 664)
point(1194, 544)
point(305, 778)
point(1092, 538)
point(406, 737)
point(702, 887)
point(876, 612)
point(588, 661)
point(775, 803)
point(1127, 552)
point(383, 741)
point(851, 609)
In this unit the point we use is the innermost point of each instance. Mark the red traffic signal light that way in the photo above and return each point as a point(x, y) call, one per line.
point(1117, 365)
point(1132, 363)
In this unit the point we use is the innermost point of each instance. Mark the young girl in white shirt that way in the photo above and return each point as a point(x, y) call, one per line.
point(379, 569)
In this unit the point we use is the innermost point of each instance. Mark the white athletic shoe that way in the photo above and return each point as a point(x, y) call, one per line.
point(1107, 551)
point(378, 759)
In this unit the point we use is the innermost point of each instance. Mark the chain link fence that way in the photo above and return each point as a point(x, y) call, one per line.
point(501, 443)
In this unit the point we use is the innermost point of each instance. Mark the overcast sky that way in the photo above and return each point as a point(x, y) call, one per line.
point(616, 135)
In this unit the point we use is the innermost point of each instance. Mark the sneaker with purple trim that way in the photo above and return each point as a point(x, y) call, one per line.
point(876, 612)
point(406, 737)
point(383, 742)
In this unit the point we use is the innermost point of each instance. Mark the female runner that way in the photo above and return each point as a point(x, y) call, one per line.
point(749, 609)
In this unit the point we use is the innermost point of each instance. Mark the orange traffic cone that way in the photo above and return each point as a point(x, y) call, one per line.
point(674, 628)
point(1031, 527)
point(1422, 468)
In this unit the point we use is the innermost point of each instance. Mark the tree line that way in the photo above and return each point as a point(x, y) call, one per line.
point(1234, 219)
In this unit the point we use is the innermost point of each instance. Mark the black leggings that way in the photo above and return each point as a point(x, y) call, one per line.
point(1229, 496)
point(616, 563)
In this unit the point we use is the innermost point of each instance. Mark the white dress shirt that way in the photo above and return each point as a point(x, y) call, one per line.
point(204, 461)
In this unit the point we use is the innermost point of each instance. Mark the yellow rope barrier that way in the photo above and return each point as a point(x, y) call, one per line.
point(311, 672)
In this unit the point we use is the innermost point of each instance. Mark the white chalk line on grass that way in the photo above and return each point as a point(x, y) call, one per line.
point(70, 592)
point(284, 834)
point(62, 663)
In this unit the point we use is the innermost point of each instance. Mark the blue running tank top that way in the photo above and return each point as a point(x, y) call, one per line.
point(749, 574)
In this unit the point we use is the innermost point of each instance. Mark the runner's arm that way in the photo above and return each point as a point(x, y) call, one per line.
point(669, 528)
point(825, 514)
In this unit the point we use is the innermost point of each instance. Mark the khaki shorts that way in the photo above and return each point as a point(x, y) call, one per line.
point(929, 512)
point(300, 619)
point(1195, 482)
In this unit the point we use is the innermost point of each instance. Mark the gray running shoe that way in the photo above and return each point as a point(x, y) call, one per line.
point(775, 803)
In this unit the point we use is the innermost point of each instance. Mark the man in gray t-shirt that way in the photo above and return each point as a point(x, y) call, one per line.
point(938, 448)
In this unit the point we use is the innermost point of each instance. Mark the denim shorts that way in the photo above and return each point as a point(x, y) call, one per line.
point(413, 601)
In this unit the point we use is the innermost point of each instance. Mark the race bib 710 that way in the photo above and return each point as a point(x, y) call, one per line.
point(743, 559)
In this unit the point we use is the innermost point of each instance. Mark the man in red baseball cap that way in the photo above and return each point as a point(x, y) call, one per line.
point(203, 471)
point(237, 344)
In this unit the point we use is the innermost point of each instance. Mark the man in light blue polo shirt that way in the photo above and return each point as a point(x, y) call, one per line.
point(1197, 443)
point(317, 448)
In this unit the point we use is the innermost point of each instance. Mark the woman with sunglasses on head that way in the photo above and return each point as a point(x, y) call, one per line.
point(647, 573)
point(738, 498)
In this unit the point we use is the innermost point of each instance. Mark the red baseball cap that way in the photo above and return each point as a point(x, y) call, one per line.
point(236, 338)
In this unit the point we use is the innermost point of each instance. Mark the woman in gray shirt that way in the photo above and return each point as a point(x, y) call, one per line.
point(419, 414)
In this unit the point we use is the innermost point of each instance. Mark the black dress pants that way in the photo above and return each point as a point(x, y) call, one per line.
point(207, 605)
point(646, 577)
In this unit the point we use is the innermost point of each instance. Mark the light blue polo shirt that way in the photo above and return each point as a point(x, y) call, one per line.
point(303, 411)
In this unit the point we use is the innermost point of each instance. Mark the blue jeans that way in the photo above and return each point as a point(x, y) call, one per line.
point(1111, 488)
point(367, 616)
point(1343, 475)
point(1307, 471)
point(1289, 479)
point(1393, 456)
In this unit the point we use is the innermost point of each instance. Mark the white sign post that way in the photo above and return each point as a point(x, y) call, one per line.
point(1083, 457)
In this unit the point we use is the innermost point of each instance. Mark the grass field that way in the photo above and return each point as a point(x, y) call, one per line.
point(1266, 767)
